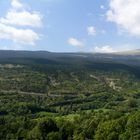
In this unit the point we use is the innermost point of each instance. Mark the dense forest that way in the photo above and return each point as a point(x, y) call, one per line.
point(47, 96)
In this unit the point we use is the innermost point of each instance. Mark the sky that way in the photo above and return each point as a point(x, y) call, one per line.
point(70, 25)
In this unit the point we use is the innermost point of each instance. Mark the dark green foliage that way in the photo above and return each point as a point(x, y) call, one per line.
point(46, 126)
point(69, 97)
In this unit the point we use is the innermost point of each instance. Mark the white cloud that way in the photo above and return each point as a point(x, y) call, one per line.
point(17, 17)
point(103, 49)
point(24, 36)
point(126, 14)
point(75, 42)
point(16, 4)
point(125, 47)
point(102, 6)
point(91, 30)
point(23, 18)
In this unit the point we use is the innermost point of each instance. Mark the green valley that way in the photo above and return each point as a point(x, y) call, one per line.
point(50, 96)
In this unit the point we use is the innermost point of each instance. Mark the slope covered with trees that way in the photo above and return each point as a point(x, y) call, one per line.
point(60, 97)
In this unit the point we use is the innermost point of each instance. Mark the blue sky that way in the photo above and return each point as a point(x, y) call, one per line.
point(70, 25)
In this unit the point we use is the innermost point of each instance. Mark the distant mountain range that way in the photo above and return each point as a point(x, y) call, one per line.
point(8, 56)
point(18, 53)
point(129, 60)
point(130, 52)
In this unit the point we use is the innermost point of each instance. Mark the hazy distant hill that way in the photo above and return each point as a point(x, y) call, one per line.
point(9, 56)
point(46, 54)
point(130, 52)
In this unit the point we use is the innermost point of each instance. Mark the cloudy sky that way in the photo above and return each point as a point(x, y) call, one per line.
point(70, 25)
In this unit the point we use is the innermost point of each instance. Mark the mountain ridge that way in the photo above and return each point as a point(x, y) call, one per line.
point(128, 52)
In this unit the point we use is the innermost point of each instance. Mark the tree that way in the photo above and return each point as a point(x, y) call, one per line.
point(132, 127)
point(110, 130)
point(46, 126)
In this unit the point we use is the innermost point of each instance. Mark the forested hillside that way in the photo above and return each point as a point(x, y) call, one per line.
point(50, 96)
